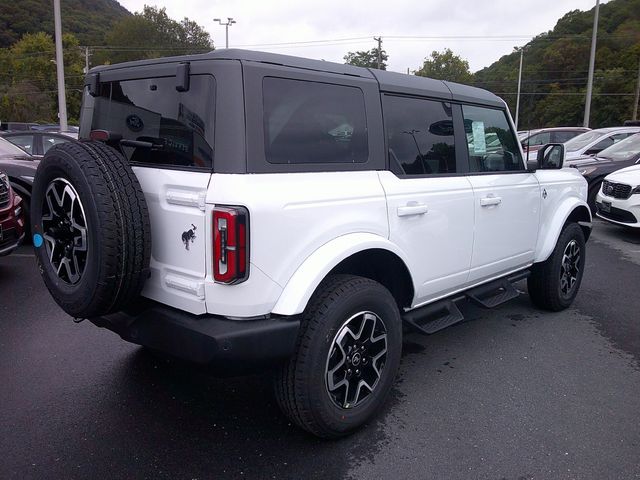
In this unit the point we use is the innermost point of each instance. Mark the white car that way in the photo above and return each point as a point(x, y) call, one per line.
point(245, 209)
point(589, 143)
point(618, 200)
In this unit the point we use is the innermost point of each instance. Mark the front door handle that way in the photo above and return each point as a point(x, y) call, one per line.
point(490, 200)
point(412, 208)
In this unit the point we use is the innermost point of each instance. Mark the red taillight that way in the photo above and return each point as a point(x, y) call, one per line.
point(230, 244)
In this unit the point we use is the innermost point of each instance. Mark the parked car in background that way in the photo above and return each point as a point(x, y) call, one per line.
point(11, 217)
point(617, 156)
point(533, 140)
point(590, 143)
point(16, 126)
point(618, 201)
point(21, 168)
point(36, 142)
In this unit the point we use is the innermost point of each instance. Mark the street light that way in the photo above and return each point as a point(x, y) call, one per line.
point(230, 21)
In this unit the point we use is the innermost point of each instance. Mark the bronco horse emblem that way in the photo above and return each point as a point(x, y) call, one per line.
point(189, 236)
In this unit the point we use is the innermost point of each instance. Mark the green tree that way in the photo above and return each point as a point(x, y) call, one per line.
point(151, 34)
point(367, 59)
point(28, 86)
point(445, 65)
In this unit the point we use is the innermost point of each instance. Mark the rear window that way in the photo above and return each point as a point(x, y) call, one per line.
point(179, 125)
point(312, 122)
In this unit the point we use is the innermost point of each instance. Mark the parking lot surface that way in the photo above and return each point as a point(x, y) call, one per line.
point(511, 393)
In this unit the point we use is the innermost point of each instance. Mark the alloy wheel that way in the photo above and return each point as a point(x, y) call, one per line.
point(356, 359)
point(569, 268)
point(64, 229)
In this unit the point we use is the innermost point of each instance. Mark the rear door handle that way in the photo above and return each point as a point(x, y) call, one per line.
point(488, 201)
point(412, 208)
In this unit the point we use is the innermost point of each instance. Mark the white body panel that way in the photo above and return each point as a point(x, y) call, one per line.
point(565, 190)
point(628, 176)
point(176, 201)
point(291, 216)
point(431, 220)
point(302, 225)
point(507, 214)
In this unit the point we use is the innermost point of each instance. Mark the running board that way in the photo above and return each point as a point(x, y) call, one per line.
point(435, 316)
point(444, 313)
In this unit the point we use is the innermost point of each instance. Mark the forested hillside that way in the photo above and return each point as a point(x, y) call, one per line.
point(556, 66)
point(88, 20)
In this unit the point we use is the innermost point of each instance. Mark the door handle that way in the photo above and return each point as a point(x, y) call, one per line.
point(489, 201)
point(412, 208)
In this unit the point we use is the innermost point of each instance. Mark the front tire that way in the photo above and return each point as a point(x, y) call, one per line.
point(554, 283)
point(346, 358)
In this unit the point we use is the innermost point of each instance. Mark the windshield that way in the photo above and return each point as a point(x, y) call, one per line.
point(8, 148)
point(623, 150)
point(582, 140)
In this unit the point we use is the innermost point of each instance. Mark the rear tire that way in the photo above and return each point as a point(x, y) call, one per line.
point(554, 283)
point(91, 229)
point(315, 388)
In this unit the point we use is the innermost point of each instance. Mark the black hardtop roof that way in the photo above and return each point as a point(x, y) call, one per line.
point(388, 81)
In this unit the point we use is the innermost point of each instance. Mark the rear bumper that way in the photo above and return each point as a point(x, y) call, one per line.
point(227, 345)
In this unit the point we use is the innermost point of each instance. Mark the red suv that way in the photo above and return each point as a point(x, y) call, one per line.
point(11, 218)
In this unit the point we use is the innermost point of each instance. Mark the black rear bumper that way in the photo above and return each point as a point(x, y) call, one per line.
point(226, 345)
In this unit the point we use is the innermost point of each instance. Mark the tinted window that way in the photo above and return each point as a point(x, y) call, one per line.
point(491, 142)
point(311, 122)
point(419, 135)
point(49, 141)
point(25, 142)
point(179, 125)
point(563, 136)
point(539, 139)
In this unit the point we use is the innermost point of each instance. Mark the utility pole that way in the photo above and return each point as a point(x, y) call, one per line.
point(592, 61)
point(86, 60)
point(379, 40)
point(637, 97)
point(230, 21)
point(519, 84)
point(62, 98)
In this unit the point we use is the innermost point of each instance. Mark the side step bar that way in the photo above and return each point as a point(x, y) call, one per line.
point(444, 313)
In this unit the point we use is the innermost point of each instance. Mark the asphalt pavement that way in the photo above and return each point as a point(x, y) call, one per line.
point(511, 393)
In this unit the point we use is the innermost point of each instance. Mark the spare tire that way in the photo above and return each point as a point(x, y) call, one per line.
point(91, 231)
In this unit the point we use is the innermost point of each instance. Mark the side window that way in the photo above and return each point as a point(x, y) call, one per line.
point(492, 144)
point(313, 122)
point(420, 135)
point(563, 136)
point(602, 144)
point(539, 139)
point(25, 142)
point(49, 141)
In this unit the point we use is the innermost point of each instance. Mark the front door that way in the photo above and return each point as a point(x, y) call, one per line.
point(506, 196)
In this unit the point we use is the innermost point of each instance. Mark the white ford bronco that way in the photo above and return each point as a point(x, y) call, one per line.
point(248, 210)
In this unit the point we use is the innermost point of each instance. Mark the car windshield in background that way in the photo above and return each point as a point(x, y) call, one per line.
point(623, 150)
point(8, 148)
point(581, 141)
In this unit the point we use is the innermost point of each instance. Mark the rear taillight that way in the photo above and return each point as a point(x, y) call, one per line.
point(230, 244)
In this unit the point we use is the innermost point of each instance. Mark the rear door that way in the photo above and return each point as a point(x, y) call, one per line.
point(430, 205)
point(506, 196)
point(168, 137)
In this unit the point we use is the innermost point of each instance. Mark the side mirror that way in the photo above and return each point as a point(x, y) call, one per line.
point(551, 156)
point(532, 165)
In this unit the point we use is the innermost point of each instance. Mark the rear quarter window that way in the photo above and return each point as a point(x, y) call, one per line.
point(311, 122)
point(180, 125)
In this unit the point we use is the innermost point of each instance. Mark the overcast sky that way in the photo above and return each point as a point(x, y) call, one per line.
point(339, 26)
